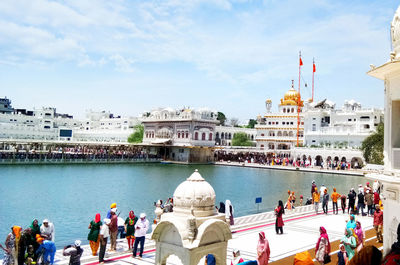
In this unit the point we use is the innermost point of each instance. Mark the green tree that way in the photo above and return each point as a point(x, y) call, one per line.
point(372, 146)
point(221, 118)
point(240, 139)
point(137, 135)
point(251, 123)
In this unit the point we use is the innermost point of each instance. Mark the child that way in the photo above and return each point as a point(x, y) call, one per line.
point(342, 256)
point(30, 256)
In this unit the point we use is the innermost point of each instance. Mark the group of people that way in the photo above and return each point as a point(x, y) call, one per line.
point(79, 152)
point(281, 160)
point(135, 230)
point(30, 245)
point(366, 196)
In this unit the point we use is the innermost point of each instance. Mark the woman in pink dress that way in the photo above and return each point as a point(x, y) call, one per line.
point(263, 250)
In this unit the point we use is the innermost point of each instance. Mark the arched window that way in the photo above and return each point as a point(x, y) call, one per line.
point(229, 136)
point(179, 134)
point(262, 146)
point(292, 110)
point(203, 136)
point(187, 134)
point(279, 133)
point(196, 136)
point(147, 134)
point(210, 136)
point(261, 135)
point(222, 135)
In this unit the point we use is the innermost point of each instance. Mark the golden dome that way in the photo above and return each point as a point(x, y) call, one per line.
point(291, 97)
point(268, 101)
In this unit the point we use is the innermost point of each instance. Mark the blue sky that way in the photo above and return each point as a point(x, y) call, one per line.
point(228, 55)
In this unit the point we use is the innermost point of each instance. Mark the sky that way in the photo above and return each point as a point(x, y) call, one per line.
point(129, 57)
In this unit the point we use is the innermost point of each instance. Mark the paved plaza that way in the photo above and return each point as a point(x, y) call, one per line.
point(301, 232)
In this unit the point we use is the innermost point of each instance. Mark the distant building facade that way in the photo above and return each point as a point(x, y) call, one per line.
point(346, 127)
point(45, 124)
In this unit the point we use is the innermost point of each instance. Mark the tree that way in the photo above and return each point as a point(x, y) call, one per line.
point(137, 135)
point(251, 123)
point(221, 118)
point(372, 146)
point(240, 139)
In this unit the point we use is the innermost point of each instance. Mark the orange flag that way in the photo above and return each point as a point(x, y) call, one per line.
point(301, 62)
point(313, 67)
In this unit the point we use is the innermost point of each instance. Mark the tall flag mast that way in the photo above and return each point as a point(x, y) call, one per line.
point(298, 101)
point(313, 71)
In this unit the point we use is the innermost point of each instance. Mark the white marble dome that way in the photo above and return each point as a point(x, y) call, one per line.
point(395, 33)
point(197, 194)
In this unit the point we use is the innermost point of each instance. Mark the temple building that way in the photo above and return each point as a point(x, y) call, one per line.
point(277, 132)
point(185, 135)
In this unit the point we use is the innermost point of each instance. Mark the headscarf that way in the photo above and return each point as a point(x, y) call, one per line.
point(368, 255)
point(323, 234)
point(221, 207)
point(334, 189)
point(282, 210)
point(349, 232)
point(17, 231)
point(359, 232)
point(35, 229)
point(131, 218)
point(350, 223)
point(228, 206)
point(113, 205)
point(97, 218)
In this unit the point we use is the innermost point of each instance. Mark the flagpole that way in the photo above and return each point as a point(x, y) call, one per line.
point(313, 71)
point(298, 103)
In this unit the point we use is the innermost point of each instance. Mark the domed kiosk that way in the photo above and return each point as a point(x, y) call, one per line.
point(194, 229)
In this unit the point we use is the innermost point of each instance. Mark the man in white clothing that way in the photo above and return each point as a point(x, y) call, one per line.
point(47, 230)
point(322, 190)
point(141, 227)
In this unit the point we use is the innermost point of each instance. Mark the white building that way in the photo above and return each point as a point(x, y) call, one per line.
point(45, 124)
point(324, 125)
point(277, 132)
point(185, 135)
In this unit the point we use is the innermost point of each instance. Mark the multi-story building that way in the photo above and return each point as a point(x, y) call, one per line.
point(45, 124)
point(345, 127)
point(185, 135)
point(277, 132)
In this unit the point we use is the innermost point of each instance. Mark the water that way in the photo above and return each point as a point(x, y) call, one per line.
point(71, 195)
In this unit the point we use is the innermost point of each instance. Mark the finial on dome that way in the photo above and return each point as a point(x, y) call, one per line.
point(195, 176)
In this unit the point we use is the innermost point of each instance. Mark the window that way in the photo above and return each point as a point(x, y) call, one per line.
point(302, 123)
point(313, 119)
point(210, 136)
point(348, 119)
point(262, 134)
point(203, 136)
point(196, 136)
point(291, 123)
point(179, 134)
point(187, 134)
point(314, 127)
point(284, 110)
point(269, 123)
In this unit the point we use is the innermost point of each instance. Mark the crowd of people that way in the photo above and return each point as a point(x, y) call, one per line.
point(281, 160)
point(79, 152)
point(27, 246)
point(35, 244)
